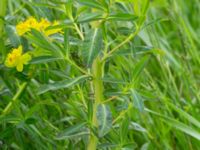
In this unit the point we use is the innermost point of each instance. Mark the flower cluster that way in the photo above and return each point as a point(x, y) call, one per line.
point(17, 59)
point(42, 26)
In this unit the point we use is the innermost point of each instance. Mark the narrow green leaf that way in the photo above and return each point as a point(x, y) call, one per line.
point(44, 42)
point(139, 50)
point(61, 84)
point(183, 127)
point(139, 67)
point(66, 42)
point(92, 4)
point(74, 136)
point(137, 127)
point(124, 129)
point(179, 125)
point(186, 116)
point(145, 7)
point(122, 17)
point(92, 46)
point(137, 100)
point(88, 17)
point(44, 59)
point(14, 39)
point(9, 118)
point(39, 106)
point(104, 118)
point(72, 131)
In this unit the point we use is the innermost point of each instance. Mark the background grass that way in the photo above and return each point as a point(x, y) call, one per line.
point(151, 83)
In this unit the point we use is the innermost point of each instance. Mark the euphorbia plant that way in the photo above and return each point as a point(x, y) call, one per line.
point(96, 52)
point(103, 123)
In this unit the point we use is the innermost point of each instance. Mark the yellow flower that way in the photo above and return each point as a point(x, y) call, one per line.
point(25, 26)
point(17, 59)
point(32, 23)
point(22, 28)
point(42, 26)
point(51, 31)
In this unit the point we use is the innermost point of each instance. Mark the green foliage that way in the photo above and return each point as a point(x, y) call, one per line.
point(121, 75)
point(60, 84)
point(92, 46)
point(104, 118)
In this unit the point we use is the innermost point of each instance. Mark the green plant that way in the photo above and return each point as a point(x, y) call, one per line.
point(104, 74)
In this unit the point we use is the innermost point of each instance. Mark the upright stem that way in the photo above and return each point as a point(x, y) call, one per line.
point(97, 70)
point(79, 31)
point(3, 5)
point(14, 99)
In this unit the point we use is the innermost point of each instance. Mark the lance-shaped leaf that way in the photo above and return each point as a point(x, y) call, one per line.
point(92, 4)
point(73, 131)
point(178, 125)
point(137, 127)
point(14, 39)
point(61, 84)
point(104, 118)
point(122, 17)
point(137, 100)
point(186, 115)
point(88, 17)
point(40, 40)
point(44, 59)
point(139, 67)
point(92, 45)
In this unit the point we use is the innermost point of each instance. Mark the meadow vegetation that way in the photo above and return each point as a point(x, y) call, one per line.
point(99, 74)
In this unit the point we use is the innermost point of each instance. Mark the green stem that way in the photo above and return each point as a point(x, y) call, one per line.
point(14, 99)
point(79, 31)
point(121, 44)
point(3, 5)
point(75, 65)
point(97, 70)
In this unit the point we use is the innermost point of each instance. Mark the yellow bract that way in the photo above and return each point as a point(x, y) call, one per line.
point(53, 30)
point(42, 26)
point(17, 59)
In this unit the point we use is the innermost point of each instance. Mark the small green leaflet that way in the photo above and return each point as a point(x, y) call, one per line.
point(104, 118)
point(61, 84)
